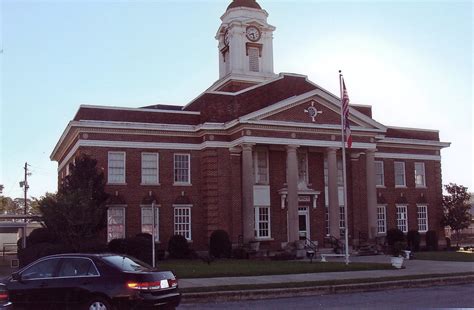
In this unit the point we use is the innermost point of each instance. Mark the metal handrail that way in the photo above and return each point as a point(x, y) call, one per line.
point(310, 244)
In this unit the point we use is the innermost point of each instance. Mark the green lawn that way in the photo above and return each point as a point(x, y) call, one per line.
point(237, 268)
point(446, 256)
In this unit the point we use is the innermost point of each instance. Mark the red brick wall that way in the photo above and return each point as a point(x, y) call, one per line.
point(216, 193)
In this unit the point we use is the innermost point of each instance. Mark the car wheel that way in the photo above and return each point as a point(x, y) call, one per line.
point(98, 303)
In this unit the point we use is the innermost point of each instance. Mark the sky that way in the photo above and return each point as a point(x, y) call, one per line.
point(410, 60)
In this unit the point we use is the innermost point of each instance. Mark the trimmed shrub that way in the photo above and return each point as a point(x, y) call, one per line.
point(431, 238)
point(144, 235)
point(219, 244)
point(140, 248)
point(32, 253)
point(394, 235)
point(118, 246)
point(240, 253)
point(38, 235)
point(91, 246)
point(413, 240)
point(178, 247)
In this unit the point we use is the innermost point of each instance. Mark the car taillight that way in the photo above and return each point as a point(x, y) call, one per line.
point(3, 296)
point(173, 282)
point(152, 286)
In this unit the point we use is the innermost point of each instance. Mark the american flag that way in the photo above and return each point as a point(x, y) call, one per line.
point(345, 114)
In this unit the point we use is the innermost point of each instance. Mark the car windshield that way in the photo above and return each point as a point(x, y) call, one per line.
point(125, 263)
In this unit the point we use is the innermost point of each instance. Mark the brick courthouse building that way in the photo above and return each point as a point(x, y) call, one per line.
point(258, 155)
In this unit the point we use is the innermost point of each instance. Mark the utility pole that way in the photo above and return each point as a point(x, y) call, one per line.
point(26, 186)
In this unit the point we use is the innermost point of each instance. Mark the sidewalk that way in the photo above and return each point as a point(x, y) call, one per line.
point(412, 267)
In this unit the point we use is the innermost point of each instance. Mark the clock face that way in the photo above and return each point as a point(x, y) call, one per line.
point(253, 33)
point(226, 37)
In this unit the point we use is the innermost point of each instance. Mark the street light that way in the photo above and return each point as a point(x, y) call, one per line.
point(153, 234)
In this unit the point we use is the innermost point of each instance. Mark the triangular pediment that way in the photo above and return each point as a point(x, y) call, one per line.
point(316, 108)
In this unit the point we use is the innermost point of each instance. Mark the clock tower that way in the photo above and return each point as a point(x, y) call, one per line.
point(245, 42)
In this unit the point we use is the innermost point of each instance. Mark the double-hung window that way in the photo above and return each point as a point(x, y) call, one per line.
point(402, 218)
point(150, 172)
point(399, 174)
point(182, 221)
point(115, 223)
point(422, 218)
point(381, 219)
point(303, 168)
point(147, 221)
point(379, 174)
point(182, 168)
point(261, 166)
point(262, 222)
point(420, 180)
point(116, 168)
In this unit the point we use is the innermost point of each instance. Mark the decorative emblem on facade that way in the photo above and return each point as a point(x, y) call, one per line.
point(312, 111)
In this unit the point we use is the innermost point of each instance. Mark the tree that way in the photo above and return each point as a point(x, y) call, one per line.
point(456, 208)
point(8, 206)
point(77, 211)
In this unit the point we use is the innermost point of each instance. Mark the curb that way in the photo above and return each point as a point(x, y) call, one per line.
point(224, 296)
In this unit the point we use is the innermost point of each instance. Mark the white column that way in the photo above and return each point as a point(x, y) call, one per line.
point(371, 194)
point(292, 198)
point(248, 213)
point(333, 193)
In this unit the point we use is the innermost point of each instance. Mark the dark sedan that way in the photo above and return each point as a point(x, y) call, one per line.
point(93, 282)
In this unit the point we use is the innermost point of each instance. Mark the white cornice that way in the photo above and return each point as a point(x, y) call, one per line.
point(204, 145)
point(307, 125)
point(139, 109)
point(415, 142)
point(413, 129)
point(407, 156)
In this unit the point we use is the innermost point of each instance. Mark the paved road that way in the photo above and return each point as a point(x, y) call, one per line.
point(456, 296)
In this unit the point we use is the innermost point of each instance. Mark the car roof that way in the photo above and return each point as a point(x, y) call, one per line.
point(89, 255)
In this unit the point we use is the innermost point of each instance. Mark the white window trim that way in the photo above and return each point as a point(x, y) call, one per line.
point(383, 173)
point(404, 174)
point(257, 222)
point(424, 175)
point(157, 169)
point(181, 183)
point(384, 206)
point(406, 217)
point(123, 207)
point(157, 210)
point(184, 206)
point(418, 218)
point(124, 168)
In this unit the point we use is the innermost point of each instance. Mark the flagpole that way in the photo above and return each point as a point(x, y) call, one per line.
point(344, 177)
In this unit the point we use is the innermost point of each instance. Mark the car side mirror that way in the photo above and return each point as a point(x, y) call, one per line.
point(16, 276)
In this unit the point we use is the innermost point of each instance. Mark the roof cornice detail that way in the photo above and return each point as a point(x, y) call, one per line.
point(415, 142)
point(138, 109)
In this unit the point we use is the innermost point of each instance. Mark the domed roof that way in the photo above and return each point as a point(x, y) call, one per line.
point(244, 3)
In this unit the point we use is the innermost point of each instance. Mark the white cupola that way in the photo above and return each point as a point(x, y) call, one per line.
point(245, 42)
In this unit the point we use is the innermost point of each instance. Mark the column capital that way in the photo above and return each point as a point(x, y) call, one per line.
point(235, 150)
point(370, 151)
point(291, 147)
point(331, 149)
point(247, 146)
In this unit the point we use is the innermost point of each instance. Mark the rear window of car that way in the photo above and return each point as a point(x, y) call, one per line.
point(125, 263)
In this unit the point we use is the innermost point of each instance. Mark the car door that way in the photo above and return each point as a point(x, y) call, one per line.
point(77, 277)
point(34, 288)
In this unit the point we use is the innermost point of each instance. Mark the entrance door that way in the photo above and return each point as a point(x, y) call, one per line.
point(303, 222)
